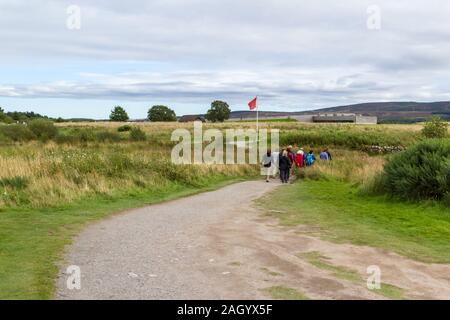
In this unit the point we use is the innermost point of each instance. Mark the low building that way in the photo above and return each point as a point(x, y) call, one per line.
point(360, 119)
point(192, 118)
point(334, 118)
point(344, 118)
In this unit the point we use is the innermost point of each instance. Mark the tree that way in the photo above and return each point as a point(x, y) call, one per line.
point(4, 117)
point(118, 114)
point(435, 128)
point(219, 112)
point(43, 129)
point(161, 113)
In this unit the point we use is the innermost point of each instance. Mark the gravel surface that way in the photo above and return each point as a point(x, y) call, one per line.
point(156, 252)
point(218, 245)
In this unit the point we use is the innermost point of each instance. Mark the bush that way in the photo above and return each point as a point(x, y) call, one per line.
point(435, 128)
point(136, 134)
point(17, 182)
point(17, 132)
point(124, 128)
point(421, 172)
point(4, 118)
point(105, 135)
point(43, 129)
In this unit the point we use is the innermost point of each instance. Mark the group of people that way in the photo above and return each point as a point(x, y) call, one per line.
point(288, 159)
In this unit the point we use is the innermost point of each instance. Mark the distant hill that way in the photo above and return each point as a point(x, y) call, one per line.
point(399, 112)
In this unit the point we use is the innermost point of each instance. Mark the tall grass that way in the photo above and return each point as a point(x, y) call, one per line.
point(355, 167)
point(295, 133)
point(59, 174)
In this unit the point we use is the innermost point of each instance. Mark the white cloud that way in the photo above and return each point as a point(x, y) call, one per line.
point(319, 52)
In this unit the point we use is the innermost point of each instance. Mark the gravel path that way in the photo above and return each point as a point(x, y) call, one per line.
point(217, 245)
point(157, 252)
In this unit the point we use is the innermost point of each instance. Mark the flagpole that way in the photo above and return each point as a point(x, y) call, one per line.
point(257, 119)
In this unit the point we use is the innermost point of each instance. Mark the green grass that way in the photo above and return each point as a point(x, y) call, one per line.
point(284, 293)
point(390, 291)
point(270, 272)
point(271, 120)
point(319, 261)
point(416, 230)
point(32, 240)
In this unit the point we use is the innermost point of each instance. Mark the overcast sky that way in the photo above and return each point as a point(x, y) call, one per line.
point(295, 55)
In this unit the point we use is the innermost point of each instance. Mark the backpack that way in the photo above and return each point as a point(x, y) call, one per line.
point(309, 159)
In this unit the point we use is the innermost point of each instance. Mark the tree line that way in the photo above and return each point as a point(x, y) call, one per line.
point(219, 112)
point(15, 116)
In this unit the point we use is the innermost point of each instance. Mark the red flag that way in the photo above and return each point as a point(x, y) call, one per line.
point(252, 104)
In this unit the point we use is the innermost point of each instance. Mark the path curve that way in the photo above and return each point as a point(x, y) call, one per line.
point(159, 251)
point(217, 245)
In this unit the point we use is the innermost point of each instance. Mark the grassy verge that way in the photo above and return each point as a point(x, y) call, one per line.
point(320, 261)
point(419, 231)
point(284, 293)
point(32, 240)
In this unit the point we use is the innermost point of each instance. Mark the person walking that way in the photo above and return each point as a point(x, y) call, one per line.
point(284, 166)
point(267, 164)
point(329, 154)
point(275, 160)
point(324, 156)
point(299, 159)
point(310, 158)
point(290, 154)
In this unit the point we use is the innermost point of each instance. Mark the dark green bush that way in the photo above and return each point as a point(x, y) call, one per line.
point(17, 132)
point(124, 128)
point(83, 135)
point(446, 199)
point(65, 138)
point(105, 135)
point(421, 172)
point(43, 129)
point(435, 127)
point(17, 182)
point(136, 134)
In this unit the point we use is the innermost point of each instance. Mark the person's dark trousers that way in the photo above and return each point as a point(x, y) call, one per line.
point(284, 175)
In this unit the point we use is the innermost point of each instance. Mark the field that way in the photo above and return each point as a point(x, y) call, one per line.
point(51, 187)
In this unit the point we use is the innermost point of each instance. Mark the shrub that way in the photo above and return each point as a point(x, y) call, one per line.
point(43, 129)
point(136, 134)
point(17, 132)
point(14, 182)
point(65, 138)
point(4, 118)
point(421, 172)
point(446, 199)
point(124, 128)
point(105, 135)
point(435, 128)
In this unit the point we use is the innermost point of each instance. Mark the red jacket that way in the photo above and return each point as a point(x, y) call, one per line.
point(291, 157)
point(299, 160)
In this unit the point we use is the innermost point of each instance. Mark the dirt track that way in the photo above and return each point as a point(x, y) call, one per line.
point(217, 245)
